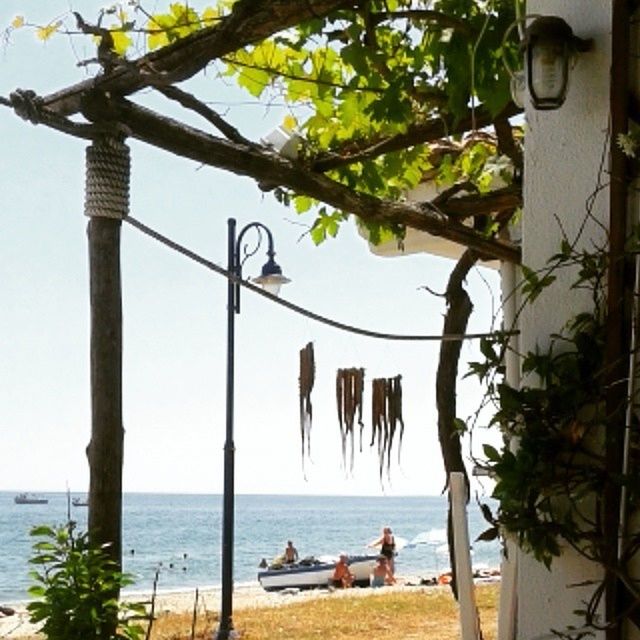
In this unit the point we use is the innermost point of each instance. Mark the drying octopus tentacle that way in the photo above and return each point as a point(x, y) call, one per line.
point(306, 381)
point(359, 382)
point(397, 403)
point(386, 415)
point(349, 392)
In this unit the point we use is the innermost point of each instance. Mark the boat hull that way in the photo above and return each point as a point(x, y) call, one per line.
point(30, 500)
point(314, 574)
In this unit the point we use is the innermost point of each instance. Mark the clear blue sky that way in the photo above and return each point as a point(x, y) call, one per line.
point(175, 311)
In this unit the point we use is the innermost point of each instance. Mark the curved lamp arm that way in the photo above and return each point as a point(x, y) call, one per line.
point(271, 277)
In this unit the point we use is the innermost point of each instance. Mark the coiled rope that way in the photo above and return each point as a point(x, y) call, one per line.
point(108, 165)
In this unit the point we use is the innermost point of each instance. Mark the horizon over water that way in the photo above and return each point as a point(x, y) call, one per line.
point(179, 535)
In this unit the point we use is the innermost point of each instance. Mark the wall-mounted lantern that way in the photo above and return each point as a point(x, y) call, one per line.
point(550, 49)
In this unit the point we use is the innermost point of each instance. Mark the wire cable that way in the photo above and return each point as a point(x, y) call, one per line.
point(294, 307)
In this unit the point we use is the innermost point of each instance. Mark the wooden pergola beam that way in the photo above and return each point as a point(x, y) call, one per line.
point(252, 21)
point(271, 170)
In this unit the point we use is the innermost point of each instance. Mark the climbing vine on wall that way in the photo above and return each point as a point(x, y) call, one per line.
point(551, 471)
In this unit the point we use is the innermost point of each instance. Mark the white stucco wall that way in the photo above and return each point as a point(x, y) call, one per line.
point(565, 153)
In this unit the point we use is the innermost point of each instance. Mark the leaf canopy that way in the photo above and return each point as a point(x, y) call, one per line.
point(382, 95)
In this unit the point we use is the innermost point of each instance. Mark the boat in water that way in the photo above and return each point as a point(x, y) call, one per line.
point(80, 502)
point(311, 573)
point(30, 498)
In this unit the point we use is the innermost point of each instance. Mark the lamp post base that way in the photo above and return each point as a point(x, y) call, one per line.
point(226, 634)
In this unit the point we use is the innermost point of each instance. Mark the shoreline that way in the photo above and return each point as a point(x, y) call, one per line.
point(181, 601)
point(178, 598)
point(245, 596)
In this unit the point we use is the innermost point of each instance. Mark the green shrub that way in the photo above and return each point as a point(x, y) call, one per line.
point(77, 587)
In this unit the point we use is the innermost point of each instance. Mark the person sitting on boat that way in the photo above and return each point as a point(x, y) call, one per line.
point(342, 577)
point(387, 545)
point(290, 553)
point(382, 575)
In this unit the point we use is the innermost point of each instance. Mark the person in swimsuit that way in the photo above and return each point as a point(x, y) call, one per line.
point(342, 577)
point(290, 553)
point(382, 575)
point(387, 545)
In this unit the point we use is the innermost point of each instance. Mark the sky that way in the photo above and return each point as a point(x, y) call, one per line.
point(174, 312)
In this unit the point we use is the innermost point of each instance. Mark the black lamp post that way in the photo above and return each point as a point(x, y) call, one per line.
point(271, 280)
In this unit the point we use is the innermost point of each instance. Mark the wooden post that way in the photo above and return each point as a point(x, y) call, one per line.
point(508, 609)
point(619, 295)
point(106, 203)
point(469, 621)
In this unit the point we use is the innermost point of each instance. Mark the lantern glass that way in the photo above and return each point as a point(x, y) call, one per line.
point(548, 73)
point(518, 88)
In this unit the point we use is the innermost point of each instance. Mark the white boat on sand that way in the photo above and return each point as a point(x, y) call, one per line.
point(311, 573)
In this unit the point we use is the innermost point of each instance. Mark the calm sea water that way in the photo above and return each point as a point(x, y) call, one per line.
point(180, 534)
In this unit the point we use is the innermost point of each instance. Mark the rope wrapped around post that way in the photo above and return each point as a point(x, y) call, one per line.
point(106, 204)
point(107, 179)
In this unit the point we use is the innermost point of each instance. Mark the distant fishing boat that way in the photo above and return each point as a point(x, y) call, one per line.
point(80, 502)
point(29, 498)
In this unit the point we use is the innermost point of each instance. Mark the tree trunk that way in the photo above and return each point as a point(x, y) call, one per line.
point(459, 309)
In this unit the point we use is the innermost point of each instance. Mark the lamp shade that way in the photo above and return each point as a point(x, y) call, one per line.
point(271, 278)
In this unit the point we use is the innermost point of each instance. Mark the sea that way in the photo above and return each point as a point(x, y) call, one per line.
point(178, 537)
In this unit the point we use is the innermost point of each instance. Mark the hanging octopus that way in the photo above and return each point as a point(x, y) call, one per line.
point(305, 382)
point(349, 392)
point(386, 415)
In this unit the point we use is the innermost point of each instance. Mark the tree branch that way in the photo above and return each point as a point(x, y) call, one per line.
point(507, 143)
point(418, 133)
point(189, 101)
point(265, 166)
point(459, 308)
point(426, 15)
point(469, 206)
point(250, 21)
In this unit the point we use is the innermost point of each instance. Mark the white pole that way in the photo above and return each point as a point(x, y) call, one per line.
point(509, 566)
point(469, 623)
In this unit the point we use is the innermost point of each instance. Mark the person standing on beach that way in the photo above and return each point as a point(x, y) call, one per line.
point(387, 545)
point(290, 553)
point(342, 576)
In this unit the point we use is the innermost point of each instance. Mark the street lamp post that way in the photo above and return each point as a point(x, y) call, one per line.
point(271, 280)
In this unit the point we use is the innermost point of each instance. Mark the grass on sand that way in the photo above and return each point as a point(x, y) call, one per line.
point(398, 614)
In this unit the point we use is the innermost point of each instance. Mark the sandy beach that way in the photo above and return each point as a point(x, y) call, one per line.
point(245, 596)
